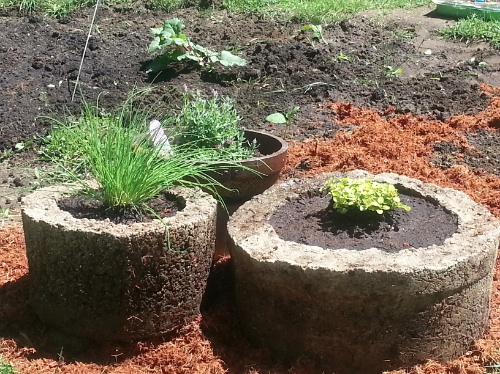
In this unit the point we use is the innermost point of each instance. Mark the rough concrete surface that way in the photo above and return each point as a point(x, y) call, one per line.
point(114, 281)
point(366, 310)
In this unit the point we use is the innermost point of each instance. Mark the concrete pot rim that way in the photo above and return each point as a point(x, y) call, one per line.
point(477, 229)
point(41, 205)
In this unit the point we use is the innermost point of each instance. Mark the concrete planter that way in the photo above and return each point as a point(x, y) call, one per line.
point(102, 280)
point(368, 310)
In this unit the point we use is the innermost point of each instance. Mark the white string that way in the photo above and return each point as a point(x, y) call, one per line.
point(84, 50)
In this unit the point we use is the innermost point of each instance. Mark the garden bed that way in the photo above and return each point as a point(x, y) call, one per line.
point(436, 121)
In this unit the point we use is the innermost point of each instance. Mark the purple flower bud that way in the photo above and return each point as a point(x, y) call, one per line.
point(218, 146)
point(215, 93)
point(229, 141)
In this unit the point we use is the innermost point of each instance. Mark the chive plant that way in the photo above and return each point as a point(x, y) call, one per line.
point(129, 168)
point(130, 171)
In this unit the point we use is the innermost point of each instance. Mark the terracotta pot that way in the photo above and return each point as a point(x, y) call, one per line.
point(102, 280)
point(242, 183)
point(367, 310)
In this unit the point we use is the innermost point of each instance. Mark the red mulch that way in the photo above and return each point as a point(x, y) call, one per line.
point(380, 142)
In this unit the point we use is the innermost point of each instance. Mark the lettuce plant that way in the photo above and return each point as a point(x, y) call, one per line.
point(350, 195)
point(176, 46)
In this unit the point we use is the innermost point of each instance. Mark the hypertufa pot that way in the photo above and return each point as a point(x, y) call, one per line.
point(257, 173)
point(108, 281)
point(368, 310)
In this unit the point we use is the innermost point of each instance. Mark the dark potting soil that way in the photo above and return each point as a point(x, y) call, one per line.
point(83, 207)
point(309, 220)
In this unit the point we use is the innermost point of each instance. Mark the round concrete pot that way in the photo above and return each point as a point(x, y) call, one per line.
point(364, 311)
point(102, 280)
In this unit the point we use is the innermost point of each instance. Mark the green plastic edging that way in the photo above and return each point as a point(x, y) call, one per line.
point(462, 11)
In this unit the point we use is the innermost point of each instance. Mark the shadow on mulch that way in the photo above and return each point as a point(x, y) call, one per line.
point(217, 329)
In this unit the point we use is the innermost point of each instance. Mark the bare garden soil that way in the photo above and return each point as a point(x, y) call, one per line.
point(437, 121)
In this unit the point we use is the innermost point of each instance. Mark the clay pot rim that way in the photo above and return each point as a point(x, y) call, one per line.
point(251, 160)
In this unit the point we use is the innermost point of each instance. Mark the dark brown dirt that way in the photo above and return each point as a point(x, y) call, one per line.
point(310, 220)
point(285, 68)
point(160, 206)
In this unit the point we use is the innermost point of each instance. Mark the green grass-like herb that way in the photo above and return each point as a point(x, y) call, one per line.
point(63, 144)
point(116, 150)
point(474, 29)
point(131, 172)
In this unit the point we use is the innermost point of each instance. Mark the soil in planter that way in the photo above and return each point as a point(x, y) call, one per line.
point(82, 207)
point(309, 220)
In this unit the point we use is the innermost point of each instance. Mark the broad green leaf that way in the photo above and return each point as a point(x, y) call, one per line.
point(214, 58)
point(175, 25)
point(156, 30)
point(228, 59)
point(179, 41)
point(154, 46)
point(276, 118)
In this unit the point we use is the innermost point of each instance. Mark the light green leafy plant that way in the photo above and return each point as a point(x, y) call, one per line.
point(362, 195)
point(176, 46)
point(286, 118)
point(212, 124)
point(392, 72)
point(317, 31)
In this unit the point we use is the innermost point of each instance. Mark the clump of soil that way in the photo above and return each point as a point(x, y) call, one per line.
point(425, 225)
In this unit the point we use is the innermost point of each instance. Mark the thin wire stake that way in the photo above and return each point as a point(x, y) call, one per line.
point(85, 50)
